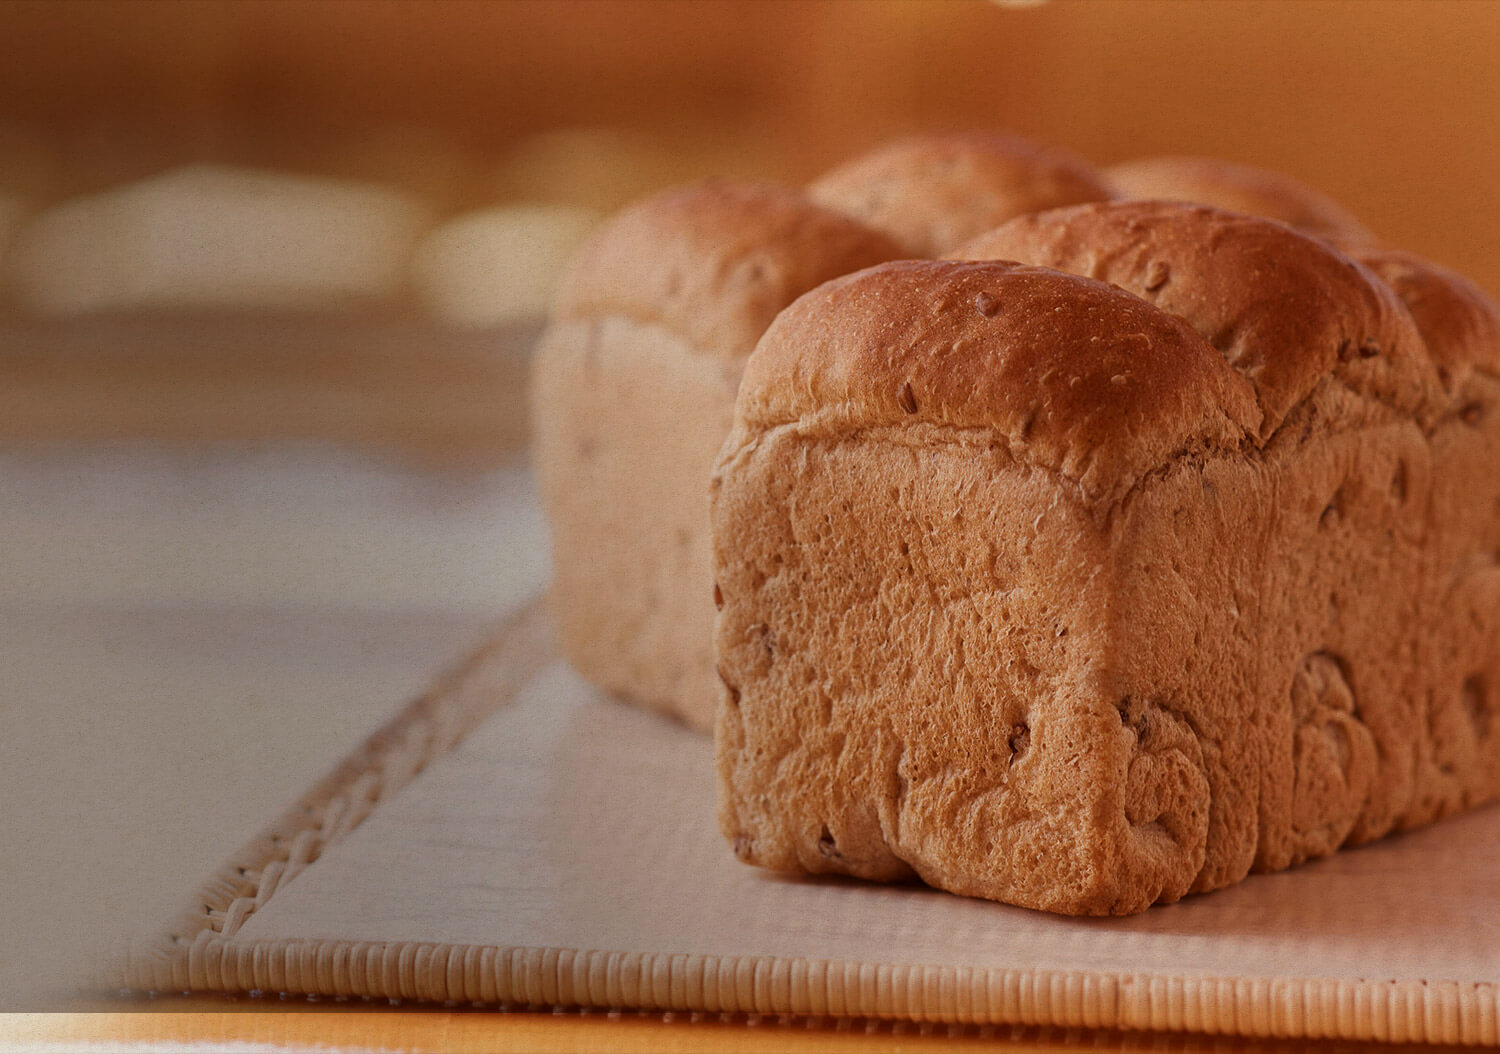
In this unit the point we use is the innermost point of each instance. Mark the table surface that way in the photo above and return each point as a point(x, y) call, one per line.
point(190, 639)
point(208, 1023)
point(192, 636)
point(354, 1026)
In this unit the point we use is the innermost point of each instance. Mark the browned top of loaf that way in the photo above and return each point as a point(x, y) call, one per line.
point(1285, 309)
point(1079, 377)
point(714, 262)
point(935, 192)
point(1238, 188)
point(1460, 324)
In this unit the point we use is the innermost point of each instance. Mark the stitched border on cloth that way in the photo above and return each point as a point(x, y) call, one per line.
point(387, 761)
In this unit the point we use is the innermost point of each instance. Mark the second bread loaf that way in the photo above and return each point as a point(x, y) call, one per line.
point(633, 390)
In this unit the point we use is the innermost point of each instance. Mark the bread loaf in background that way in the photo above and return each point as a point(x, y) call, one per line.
point(633, 388)
point(932, 193)
point(1238, 188)
point(1084, 591)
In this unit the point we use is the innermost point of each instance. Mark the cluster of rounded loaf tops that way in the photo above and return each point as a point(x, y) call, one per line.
point(1248, 314)
point(1262, 314)
point(1280, 302)
point(928, 195)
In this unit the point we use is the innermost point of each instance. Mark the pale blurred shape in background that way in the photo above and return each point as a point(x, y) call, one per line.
point(12, 208)
point(498, 265)
point(216, 236)
point(596, 168)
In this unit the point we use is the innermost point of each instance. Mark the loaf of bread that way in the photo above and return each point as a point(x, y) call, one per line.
point(1237, 188)
point(933, 193)
point(633, 391)
point(1147, 546)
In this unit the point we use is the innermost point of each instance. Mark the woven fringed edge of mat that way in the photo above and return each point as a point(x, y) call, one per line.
point(421, 733)
point(200, 952)
point(1390, 1012)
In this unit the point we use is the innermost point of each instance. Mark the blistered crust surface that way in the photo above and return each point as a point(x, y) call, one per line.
point(1459, 323)
point(1238, 188)
point(932, 193)
point(1284, 309)
point(1078, 377)
point(714, 262)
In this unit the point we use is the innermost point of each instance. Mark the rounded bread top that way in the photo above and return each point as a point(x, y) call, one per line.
point(1238, 188)
point(1284, 309)
point(1460, 324)
point(1079, 377)
point(714, 262)
point(932, 193)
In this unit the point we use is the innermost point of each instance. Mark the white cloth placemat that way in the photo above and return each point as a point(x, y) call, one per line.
point(565, 852)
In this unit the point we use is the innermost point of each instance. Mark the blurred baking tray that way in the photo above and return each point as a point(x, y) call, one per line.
point(516, 837)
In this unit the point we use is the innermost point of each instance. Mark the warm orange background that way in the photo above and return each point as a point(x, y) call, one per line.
point(1390, 105)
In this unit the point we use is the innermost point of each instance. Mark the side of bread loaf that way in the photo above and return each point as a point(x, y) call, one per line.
point(633, 389)
point(1083, 597)
point(1418, 344)
point(1456, 761)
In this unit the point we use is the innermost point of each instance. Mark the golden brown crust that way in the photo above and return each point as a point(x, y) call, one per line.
point(1084, 379)
point(1460, 324)
point(934, 192)
point(1238, 188)
point(1285, 309)
point(714, 262)
point(999, 613)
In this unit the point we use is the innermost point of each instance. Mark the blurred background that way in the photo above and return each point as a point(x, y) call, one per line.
point(269, 274)
point(467, 147)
